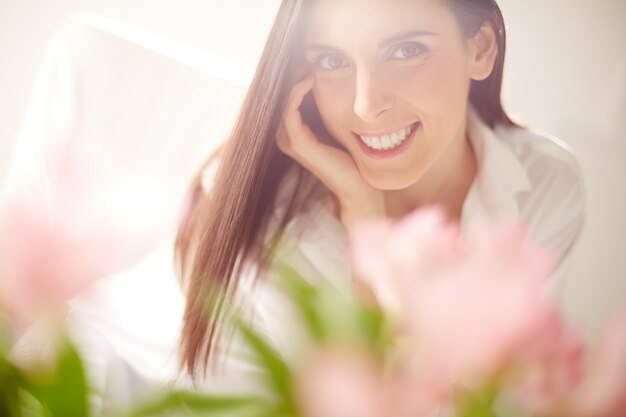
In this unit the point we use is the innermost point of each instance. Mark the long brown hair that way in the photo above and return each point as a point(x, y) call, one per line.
point(223, 232)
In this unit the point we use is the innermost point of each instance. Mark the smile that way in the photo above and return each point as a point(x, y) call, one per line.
point(389, 140)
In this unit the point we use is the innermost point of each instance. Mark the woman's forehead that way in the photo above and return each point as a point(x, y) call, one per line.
point(330, 21)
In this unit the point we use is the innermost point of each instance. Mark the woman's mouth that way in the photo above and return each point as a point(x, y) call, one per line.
point(388, 144)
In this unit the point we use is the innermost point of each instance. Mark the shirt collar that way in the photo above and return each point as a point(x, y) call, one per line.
point(500, 176)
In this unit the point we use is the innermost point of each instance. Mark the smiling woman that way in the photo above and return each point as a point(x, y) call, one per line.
point(406, 67)
point(361, 109)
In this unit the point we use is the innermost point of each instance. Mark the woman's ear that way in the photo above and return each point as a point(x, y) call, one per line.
point(483, 50)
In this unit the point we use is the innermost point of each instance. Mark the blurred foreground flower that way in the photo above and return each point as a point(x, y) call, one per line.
point(347, 383)
point(85, 221)
point(472, 313)
point(86, 225)
point(461, 322)
point(602, 391)
point(485, 289)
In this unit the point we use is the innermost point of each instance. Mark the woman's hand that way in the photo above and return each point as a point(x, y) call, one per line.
point(334, 167)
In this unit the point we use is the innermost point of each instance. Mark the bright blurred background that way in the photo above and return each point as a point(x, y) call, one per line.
point(565, 74)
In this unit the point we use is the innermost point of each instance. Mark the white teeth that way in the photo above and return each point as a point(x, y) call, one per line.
point(376, 143)
point(395, 139)
point(385, 141)
point(388, 141)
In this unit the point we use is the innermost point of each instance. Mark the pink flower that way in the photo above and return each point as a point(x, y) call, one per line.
point(602, 393)
point(469, 303)
point(85, 226)
point(557, 380)
point(348, 383)
point(543, 377)
point(472, 311)
point(387, 255)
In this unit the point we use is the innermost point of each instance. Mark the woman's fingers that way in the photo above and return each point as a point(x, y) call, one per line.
point(299, 90)
point(292, 124)
point(334, 167)
point(297, 140)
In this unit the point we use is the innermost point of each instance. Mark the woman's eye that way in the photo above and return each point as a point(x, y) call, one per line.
point(331, 62)
point(408, 51)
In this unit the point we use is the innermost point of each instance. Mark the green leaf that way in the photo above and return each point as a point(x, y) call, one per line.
point(305, 298)
point(30, 406)
point(63, 390)
point(331, 317)
point(277, 371)
point(478, 403)
point(9, 388)
point(5, 334)
point(194, 403)
point(351, 322)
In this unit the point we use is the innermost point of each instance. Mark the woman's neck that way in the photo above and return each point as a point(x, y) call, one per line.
point(446, 184)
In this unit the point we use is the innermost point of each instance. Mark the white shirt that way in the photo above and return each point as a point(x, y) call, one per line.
point(128, 325)
point(532, 178)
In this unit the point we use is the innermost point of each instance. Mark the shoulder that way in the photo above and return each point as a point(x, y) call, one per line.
point(554, 206)
point(541, 153)
point(548, 161)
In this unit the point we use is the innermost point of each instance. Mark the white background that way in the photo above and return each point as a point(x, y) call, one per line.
point(565, 74)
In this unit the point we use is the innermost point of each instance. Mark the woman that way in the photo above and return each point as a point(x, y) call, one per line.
point(362, 109)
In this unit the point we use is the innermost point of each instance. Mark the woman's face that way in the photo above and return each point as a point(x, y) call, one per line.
point(392, 83)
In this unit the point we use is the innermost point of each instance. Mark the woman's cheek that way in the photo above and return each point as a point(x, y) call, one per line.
point(424, 86)
point(332, 103)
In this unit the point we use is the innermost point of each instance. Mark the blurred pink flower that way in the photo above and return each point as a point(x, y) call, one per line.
point(88, 225)
point(469, 302)
point(566, 383)
point(545, 375)
point(471, 313)
point(344, 383)
point(387, 254)
point(602, 392)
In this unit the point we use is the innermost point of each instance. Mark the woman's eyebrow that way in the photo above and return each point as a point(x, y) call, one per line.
point(322, 48)
point(404, 36)
point(385, 42)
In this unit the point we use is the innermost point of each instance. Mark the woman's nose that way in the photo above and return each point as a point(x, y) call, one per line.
point(371, 98)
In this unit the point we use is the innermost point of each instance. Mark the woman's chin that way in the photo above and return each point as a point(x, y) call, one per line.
point(389, 181)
